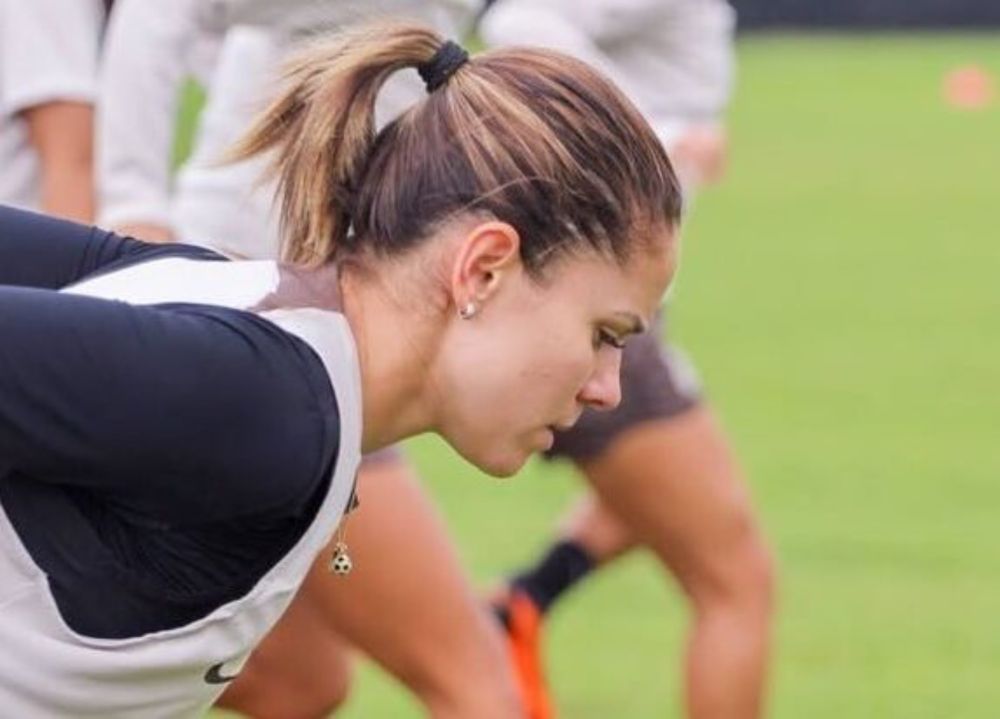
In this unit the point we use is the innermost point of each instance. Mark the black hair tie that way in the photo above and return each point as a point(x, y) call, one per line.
point(436, 71)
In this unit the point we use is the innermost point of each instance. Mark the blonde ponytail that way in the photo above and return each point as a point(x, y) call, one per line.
point(533, 138)
point(321, 127)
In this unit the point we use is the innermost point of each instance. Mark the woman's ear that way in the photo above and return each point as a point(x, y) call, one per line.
point(487, 254)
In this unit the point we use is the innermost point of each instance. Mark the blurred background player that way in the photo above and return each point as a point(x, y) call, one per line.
point(703, 527)
point(48, 71)
point(660, 468)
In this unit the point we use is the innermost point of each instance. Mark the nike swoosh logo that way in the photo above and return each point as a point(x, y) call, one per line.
point(214, 675)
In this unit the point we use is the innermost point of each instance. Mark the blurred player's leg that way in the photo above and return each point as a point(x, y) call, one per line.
point(676, 486)
point(673, 486)
point(406, 603)
point(666, 478)
point(409, 605)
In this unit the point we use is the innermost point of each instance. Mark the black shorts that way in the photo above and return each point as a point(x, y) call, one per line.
point(658, 382)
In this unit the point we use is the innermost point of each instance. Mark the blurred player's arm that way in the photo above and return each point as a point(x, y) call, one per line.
point(700, 153)
point(48, 72)
point(143, 66)
point(698, 72)
point(678, 67)
point(61, 133)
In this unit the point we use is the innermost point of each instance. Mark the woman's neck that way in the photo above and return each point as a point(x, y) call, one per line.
point(389, 338)
point(396, 349)
point(303, 287)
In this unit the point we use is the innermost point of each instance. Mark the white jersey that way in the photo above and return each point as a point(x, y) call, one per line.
point(49, 670)
point(48, 52)
point(212, 204)
point(673, 58)
point(297, 17)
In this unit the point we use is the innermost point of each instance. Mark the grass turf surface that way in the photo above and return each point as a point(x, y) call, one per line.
point(840, 294)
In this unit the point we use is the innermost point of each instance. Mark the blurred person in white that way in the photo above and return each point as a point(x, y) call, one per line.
point(661, 469)
point(48, 71)
point(673, 58)
point(234, 49)
point(449, 652)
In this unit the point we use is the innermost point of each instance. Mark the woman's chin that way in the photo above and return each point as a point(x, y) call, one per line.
point(505, 466)
point(497, 461)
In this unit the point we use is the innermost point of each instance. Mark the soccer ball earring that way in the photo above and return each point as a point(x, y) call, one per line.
point(340, 562)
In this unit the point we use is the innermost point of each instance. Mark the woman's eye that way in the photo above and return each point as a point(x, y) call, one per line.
point(604, 337)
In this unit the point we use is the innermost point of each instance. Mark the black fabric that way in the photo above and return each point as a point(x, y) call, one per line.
point(155, 461)
point(565, 564)
point(45, 252)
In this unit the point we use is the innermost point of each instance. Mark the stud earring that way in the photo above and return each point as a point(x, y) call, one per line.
point(468, 311)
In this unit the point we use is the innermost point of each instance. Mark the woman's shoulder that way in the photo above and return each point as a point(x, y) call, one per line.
point(248, 405)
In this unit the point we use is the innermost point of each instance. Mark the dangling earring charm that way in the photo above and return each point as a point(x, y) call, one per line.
point(340, 562)
point(468, 311)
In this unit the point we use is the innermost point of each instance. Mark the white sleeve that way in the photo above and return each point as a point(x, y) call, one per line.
point(673, 58)
point(145, 55)
point(48, 51)
point(579, 26)
point(698, 57)
point(293, 17)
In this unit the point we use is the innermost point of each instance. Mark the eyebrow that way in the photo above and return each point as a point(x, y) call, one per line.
point(636, 324)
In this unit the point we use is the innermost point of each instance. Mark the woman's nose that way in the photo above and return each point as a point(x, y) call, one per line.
point(603, 390)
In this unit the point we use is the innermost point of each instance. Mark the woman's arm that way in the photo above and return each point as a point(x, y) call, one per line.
point(41, 251)
point(180, 413)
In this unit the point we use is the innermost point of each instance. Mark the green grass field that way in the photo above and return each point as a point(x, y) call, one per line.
point(841, 293)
